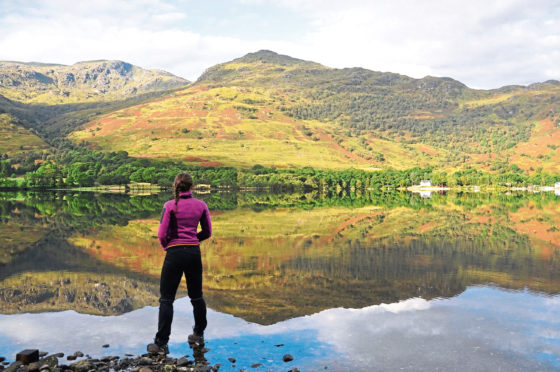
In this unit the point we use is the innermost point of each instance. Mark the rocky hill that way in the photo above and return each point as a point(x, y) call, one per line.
point(81, 82)
point(275, 110)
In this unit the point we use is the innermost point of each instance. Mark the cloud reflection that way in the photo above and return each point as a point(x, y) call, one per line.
point(483, 329)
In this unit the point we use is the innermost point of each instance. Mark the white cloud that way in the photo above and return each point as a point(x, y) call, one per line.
point(479, 42)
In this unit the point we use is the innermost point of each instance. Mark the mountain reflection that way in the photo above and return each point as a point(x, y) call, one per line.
point(275, 257)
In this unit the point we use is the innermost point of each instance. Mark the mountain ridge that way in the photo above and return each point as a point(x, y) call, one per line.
point(251, 109)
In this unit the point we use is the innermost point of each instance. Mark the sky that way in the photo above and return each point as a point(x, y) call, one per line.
point(482, 43)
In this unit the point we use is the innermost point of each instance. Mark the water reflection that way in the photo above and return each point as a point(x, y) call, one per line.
point(275, 257)
point(483, 329)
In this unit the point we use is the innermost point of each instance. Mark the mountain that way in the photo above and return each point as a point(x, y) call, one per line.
point(275, 110)
point(82, 82)
point(53, 99)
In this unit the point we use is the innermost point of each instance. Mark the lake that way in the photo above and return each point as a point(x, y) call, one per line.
point(374, 281)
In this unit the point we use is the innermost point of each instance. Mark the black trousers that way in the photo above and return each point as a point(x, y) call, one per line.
point(179, 260)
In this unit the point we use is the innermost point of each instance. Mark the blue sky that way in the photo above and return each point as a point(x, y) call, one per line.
point(483, 43)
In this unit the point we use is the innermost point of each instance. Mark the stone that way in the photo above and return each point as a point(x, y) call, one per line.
point(232, 360)
point(15, 365)
point(79, 354)
point(71, 357)
point(256, 365)
point(33, 367)
point(82, 366)
point(145, 361)
point(59, 355)
point(42, 354)
point(279, 345)
point(183, 362)
point(169, 368)
point(106, 345)
point(145, 369)
point(28, 356)
point(2, 359)
point(51, 361)
point(287, 358)
point(294, 370)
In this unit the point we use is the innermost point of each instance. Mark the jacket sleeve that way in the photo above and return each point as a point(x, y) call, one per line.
point(163, 227)
point(205, 225)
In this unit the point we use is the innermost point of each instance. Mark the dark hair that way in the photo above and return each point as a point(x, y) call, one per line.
point(183, 182)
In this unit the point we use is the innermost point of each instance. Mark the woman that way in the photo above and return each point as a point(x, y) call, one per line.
point(179, 238)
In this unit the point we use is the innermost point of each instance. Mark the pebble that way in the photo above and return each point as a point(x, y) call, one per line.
point(279, 345)
point(256, 365)
point(106, 345)
point(232, 360)
point(71, 357)
point(79, 354)
point(145, 361)
point(287, 358)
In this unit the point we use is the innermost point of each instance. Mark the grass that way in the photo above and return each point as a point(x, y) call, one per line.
point(15, 138)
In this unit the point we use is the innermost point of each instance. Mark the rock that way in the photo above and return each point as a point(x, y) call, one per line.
point(2, 359)
point(279, 345)
point(294, 370)
point(15, 365)
point(51, 361)
point(28, 356)
point(232, 360)
point(202, 369)
point(79, 354)
point(82, 366)
point(145, 361)
point(183, 362)
point(287, 358)
point(145, 369)
point(169, 368)
point(42, 354)
point(59, 355)
point(256, 365)
point(33, 367)
point(106, 345)
point(71, 357)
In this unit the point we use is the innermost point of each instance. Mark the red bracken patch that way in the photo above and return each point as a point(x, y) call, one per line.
point(211, 164)
point(194, 159)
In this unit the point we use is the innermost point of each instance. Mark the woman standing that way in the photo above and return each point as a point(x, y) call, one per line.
point(179, 238)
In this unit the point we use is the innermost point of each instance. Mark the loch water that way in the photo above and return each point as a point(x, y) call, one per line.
point(369, 281)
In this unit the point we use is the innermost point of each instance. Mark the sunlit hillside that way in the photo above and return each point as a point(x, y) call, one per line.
point(276, 110)
point(42, 83)
point(15, 138)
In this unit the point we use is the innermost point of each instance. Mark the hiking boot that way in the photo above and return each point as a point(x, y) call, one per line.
point(157, 349)
point(196, 339)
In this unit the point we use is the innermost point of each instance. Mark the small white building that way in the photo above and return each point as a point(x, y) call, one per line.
point(425, 183)
point(557, 185)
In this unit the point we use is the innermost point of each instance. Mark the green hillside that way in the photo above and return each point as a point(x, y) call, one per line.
point(278, 111)
point(275, 110)
point(15, 139)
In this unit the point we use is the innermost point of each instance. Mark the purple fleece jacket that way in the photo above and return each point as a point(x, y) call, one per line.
point(190, 212)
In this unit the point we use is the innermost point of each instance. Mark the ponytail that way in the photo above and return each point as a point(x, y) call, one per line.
point(183, 182)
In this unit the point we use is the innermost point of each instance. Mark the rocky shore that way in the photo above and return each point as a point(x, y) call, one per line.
point(149, 362)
